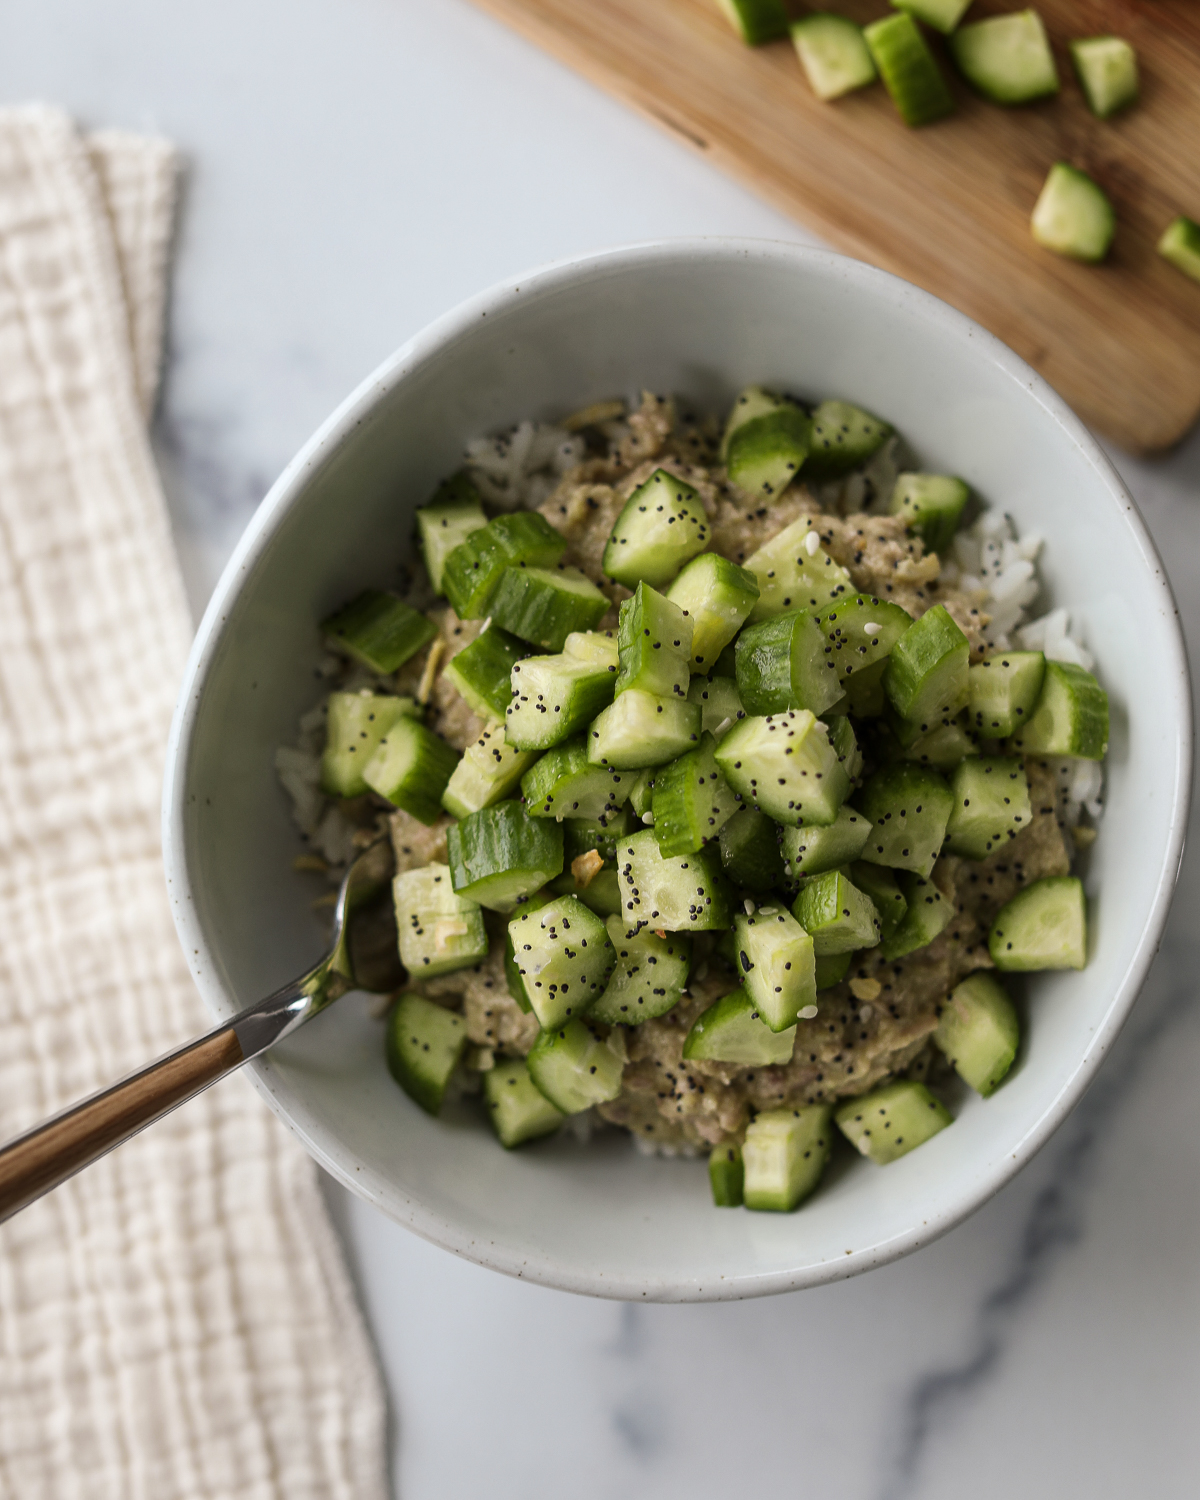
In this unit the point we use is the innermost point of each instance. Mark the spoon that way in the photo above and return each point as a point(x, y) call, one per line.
point(363, 955)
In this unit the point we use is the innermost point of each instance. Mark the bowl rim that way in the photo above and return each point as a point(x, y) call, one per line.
point(257, 538)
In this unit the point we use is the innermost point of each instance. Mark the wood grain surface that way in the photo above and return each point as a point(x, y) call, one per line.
point(948, 206)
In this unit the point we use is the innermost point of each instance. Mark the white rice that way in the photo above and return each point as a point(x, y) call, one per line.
point(521, 468)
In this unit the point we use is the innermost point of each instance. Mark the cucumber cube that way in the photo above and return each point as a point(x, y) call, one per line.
point(785, 766)
point(574, 1069)
point(860, 632)
point(489, 771)
point(641, 795)
point(378, 630)
point(891, 1121)
point(832, 968)
point(889, 900)
point(482, 671)
point(927, 914)
point(563, 784)
point(439, 931)
point(777, 964)
point(1070, 716)
point(1007, 58)
point(640, 729)
point(909, 807)
point(684, 893)
point(725, 1174)
point(354, 725)
point(450, 517)
point(844, 436)
point(512, 975)
point(766, 442)
point(1042, 927)
point(518, 1110)
point(601, 894)
point(1073, 215)
point(1002, 691)
point(564, 956)
point(812, 851)
point(664, 525)
point(944, 747)
point(499, 854)
point(1180, 244)
point(756, 21)
point(648, 979)
point(979, 1032)
point(719, 704)
point(991, 806)
point(473, 570)
point(908, 70)
point(733, 1031)
point(717, 597)
point(410, 769)
point(554, 697)
point(424, 1045)
point(596, 647)
point(835, 60)
point(865, 697)
point(845, 746)
point(932, 506)
point(654, 645)
point(1107, 69)
point(794, 572)
point(926, 677)
point(546, 605)
point(750, 851)
point(837, 915)
point(786, 662)
point(582, 835)
point(692, 801)
point(942, 15)
point(785, 1152)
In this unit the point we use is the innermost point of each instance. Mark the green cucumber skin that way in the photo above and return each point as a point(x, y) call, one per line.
point(454, 513)
point(554, 697)
point(891, 1121)
point(602, 894)
point(784, 663)
point(750, 851)
point(1006, 58)
point(812, 851)
point(1107, 69)
point(764, 455)
point(881, 885)
point(1044, 926)
point(685, 893)
point(473, 569)
point(731, 1030)
point(756, 21)
point(725, 1176)
point(411, 769)
point(717, 596)
point(932, 506)
point(500, 853)
point(573, 1069)
point(581, 835)
point(518, 1111)
point(355, 724)
point(1180, 244)
point(564, 784)
point(991, 806)
point(692, 801)
point(640, 730)
point(785, 1153)
point(563, 956)
point(1003, 691)
point(544, 605)
point(424, 1045)
point(909, 72)
point(425, 899)
point(927, 914)
point(654, 645)
point(648, 979)
point(837, 915)
point(482, 670)
point(664, 525)
point(909, 807)
point(926, 677)
point(844, 436)
point(832, 968)
point(979, 1032)
point(1070, 716)
point(777, 964)
point(378, 630)
point(942, 15)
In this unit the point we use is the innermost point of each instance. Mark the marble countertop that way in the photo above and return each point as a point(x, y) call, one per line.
point(355, 167)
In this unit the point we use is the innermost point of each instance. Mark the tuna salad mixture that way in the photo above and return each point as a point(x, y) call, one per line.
point(726, 778)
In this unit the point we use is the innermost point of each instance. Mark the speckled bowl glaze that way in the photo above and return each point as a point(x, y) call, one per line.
point(703, 318)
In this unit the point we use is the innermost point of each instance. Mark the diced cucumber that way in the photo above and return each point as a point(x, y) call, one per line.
point(832, 968)
point(683, 893)
point(648, 979)
point(482, 671)
point(943, 747)
point(837, 915)
point(378, 630)
point(717, 597)
point(845, 746)
point(517, 1108)
point(732, 1031)
point(860, 633)
point(581, 835)
point(410, 769)
point(596, 647)
point(777, 962)
point(942, 15)
point(654, 645)
point(908, 70)
point(355, 723)
point(1070, 716)
point(979, 1032)
point(726, 663)
point(601, 894)
point(865, 697)
point(424, 1045)
point(639, 729)
point(720, 706)
point(564, 957)
point(991, 806)
point(881, 885)
point(499, 854)
point(794, 572)
point(926, 678)
point(450, 517)
point(786, 662)
point(844, 436)
point(1007, 58)
point(811, 851)
point(785, 766)
point(1073, 215)
point(756, 21)
point(439, 931)
point(562, 784)
point(767, 438)
point(489, 771)
point(1107, 69)
point(546, 605)
point(554, 697)
point(692, 801)
point(1002, 691)
point(641, 795)
point(725, 1173)
point(574, 1069)
point(664, 524)
point(512, 974)
point(1042, 927)
point(932, 506)
point(891, 1121)
point(750, 851)
point(835, 60)
point(927, 914)
point(472, 570)
point(785, 1152)
point(1180, 244)
point(909, 807)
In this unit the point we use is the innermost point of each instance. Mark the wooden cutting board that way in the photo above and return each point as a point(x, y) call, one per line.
point(948, 206)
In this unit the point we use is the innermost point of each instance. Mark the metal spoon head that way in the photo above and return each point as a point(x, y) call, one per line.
point(365, 951)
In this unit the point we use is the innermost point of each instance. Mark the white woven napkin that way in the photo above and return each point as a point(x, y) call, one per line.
point(176, 1321)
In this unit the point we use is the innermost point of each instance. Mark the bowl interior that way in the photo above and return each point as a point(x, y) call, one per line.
point(701, 319)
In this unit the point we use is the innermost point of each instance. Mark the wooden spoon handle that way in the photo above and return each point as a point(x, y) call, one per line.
point(50, 1153)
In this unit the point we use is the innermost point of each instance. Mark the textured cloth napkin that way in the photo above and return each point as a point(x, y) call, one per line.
point(176, 1321)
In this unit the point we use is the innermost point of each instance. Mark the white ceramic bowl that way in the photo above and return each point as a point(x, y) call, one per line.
point(703, 318)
